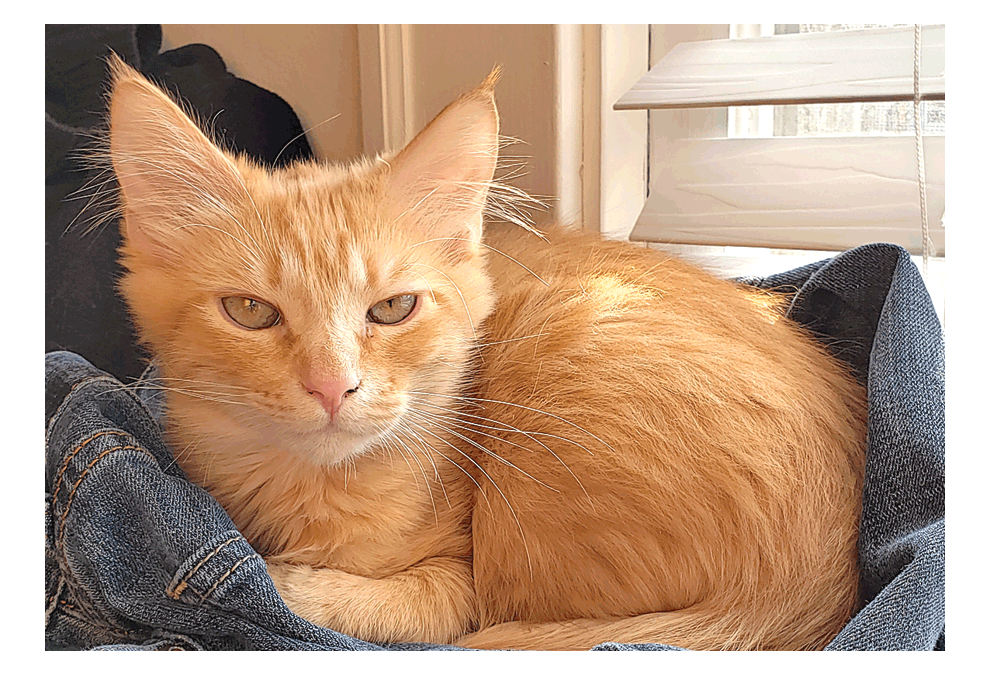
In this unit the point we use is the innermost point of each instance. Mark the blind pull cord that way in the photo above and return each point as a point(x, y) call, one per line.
point(926, 243)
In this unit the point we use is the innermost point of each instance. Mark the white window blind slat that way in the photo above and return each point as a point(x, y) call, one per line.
point(812, 193)
point(847, 66)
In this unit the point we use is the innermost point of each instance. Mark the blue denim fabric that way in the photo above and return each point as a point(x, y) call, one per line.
point(137, 557)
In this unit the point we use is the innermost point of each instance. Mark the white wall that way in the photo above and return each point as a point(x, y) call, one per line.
point(444, 61)
point(314, 68)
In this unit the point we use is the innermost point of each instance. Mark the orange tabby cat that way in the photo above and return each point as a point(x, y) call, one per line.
point(490, 439)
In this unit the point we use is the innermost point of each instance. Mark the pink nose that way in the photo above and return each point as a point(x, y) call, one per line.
point(331, 393)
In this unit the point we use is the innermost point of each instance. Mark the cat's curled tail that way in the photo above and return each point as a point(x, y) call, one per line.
point(704, 626)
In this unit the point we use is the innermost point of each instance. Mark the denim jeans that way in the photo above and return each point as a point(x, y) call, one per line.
point(137, 557)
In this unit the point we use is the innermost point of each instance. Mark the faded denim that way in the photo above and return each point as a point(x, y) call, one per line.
point(137, 557)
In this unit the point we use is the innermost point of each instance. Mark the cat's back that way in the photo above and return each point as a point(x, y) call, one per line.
point(625, 310)
point(669, 436)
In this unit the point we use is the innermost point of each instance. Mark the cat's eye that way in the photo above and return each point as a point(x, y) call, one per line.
point(394, 310)
point(250, 313)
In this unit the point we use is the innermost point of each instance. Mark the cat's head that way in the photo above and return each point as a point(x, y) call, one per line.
point(309, 306)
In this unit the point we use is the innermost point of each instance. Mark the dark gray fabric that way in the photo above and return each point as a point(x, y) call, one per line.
point(139, 558)
point(871, 307)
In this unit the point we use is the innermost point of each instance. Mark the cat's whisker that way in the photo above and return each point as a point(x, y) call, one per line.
point(389, 437)
point(198, 438)
point(208, 397)
point(467, 311)
point(216, 397)
point(212, 457)
point(452, 411)
point(261, 221)
point(515, 405)
point(304, 132)
point(396, 429)
point(502, 342)
point(391, 458)
point(190, 447)
point(449, 428)
point(458, 416)
point(163, 380)
point(540, 333)
point(495, 485)
point(430, 449)
point(536, 380)
point(350, 466)
point(491, 248)
point(347, 471)
point(98, 198)
point(212, 383)
point(427, 451)
point(472, 426)
point(428, 284)
point(417, 204)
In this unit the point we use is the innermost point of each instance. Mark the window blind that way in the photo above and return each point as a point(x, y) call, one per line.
point(825, 193)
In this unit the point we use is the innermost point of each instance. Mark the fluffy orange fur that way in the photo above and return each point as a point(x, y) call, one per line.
point(569, 441)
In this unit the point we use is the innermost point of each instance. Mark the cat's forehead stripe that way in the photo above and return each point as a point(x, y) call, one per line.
point(353, 260)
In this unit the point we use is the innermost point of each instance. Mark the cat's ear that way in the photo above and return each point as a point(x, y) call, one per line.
point(439, 182)
point(168, 170)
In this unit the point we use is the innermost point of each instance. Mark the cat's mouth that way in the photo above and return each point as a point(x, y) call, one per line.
point(327, 445)
point(327, 439)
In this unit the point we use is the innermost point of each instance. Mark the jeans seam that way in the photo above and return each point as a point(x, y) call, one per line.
point(73, 611)
point(52, 602)
point(75, 451)
point(227, 574)
point(68, 396)
point(75, 487)
point(184, 581)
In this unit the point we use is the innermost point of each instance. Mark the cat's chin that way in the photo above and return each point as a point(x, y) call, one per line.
point(330, 448)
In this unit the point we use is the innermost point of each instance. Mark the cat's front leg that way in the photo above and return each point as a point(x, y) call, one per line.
point(432, 601)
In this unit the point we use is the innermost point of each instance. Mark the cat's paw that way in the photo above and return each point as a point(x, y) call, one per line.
point(320, 595)
point(294, 585)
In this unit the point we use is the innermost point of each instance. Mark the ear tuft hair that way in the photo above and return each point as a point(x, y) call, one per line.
point(168, 170)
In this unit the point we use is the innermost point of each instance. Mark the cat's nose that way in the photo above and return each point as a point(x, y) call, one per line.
point(331, 392)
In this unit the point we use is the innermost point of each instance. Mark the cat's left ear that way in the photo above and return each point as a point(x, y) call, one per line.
point(439, 182)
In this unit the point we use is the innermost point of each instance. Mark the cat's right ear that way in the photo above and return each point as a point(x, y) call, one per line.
point(168, 170)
